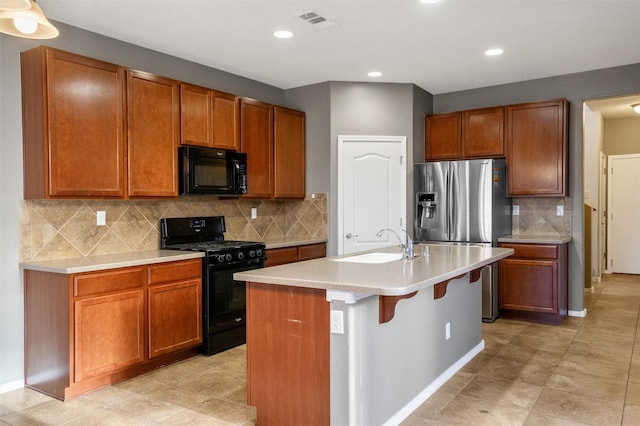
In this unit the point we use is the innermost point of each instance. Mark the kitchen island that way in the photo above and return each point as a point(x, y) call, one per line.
point(361, 339)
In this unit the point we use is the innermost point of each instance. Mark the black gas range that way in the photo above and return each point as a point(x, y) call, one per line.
point(223, 298)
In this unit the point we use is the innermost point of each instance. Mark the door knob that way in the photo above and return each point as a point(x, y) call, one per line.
point(350, 235)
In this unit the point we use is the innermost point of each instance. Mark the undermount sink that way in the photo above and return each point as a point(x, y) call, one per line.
point(371, 258)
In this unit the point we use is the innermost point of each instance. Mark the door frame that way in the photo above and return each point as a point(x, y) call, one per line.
point(342, 139)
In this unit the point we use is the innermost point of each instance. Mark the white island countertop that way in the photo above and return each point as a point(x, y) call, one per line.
point(394, 278)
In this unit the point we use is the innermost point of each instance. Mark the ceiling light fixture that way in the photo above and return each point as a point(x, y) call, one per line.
point(429, 1)
point(14, 4)
point(283, 34)
point(26, 23)
point(374, 74)
point(494, 52)
point(636, 108)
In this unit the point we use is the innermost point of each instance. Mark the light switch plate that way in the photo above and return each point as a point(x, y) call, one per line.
point(254, 213)
point(516, 210)
point(559, 210)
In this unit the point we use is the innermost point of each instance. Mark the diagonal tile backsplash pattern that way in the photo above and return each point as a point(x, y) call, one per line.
point(54, 229)
point(538, 216)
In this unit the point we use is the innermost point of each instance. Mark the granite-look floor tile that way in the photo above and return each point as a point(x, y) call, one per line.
point(504, 326)
point(545, 341)
point(601, 352)
point(536, 419)
point(225, 411)
point(589, 385)
point(494, 343)
point(456, 383)
point(578, 408)
point(53, 412)
point(19, 399)
point(633, 394)
point(429, 409)
point(525, 354)
point(477, 363)
point(503, 392)
point(631, 415)
point(586, 365)
point(193, 418)
point(463, 410)
point(634, 370)
point(106, 417)
point(147, 407)
point(600, 337)
point(535, 373)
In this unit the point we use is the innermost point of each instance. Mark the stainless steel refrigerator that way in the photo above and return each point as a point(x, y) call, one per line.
point(464, 202)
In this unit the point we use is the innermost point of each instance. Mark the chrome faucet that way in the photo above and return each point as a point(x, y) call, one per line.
point(407, 247)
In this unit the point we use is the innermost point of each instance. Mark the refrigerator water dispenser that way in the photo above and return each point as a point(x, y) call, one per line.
point(427, 209)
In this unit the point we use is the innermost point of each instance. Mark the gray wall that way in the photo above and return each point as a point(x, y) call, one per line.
point(622, 136)
point(576, 88)
point(89, 44)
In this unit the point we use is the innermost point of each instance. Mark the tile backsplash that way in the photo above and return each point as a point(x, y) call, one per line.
point(538, 216)
point(53, 229)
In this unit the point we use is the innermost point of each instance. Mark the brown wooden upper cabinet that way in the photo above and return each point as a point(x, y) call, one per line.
point(483, 133)
point(73, 126)
point(536, 138)
point(274, 139)
point(153, 133)
point(289, 153)
point(443, 137)
point(209, 118)
point(256, 140)
point(475, 133)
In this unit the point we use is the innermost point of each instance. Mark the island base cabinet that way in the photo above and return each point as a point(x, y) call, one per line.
point(288, 355)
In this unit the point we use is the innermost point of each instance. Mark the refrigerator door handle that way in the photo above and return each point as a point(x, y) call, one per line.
point(453, 200)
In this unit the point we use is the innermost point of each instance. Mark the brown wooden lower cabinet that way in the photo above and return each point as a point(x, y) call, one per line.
point(288, 364)
point(283, 255)
point(533, 282)
point(87, 330)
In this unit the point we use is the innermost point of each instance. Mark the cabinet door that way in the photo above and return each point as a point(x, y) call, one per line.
point(109, 333)
point(537, 148)
point(256, 135)
point(289, 153)
point(443, 139)
point(152, 121)
point(529, 285)
point(483, 133)
point(226, 121)
point(74, 140)
point(175, 317)
point(196, 116)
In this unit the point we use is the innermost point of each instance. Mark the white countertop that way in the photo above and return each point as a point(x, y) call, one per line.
point(109, 261)
point(536, 239)
point(272, 243)
point(393, 278)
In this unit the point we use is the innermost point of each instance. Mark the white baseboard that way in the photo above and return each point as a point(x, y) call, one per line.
point(579, 314)
point(419, 399)
point(8, 387)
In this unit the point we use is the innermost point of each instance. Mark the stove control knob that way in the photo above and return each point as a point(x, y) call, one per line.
point(252, 253)
point(228, 257)
point(259, 252)
point(240, 255)
point(220, 258)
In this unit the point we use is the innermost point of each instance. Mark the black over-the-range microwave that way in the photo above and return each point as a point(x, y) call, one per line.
point(212, 171)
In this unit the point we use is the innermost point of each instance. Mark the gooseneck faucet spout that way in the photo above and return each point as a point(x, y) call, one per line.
point(407, 247)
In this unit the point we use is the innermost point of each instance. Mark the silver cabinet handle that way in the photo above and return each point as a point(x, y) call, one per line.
point(350, 235)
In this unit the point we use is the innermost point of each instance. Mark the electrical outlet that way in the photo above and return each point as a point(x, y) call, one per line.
point(559, 210)
point(254, 213)
point(516, 210)
point(337, 322)
point(101, 218)
point(447, 331)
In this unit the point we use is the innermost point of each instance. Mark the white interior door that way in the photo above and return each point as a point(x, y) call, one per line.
point(602, 216)
point(623, 207)
point(372, 181)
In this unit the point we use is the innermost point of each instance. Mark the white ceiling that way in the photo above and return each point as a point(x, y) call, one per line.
point(439, 47)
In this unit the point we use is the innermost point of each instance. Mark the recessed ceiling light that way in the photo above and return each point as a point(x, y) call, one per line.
point(374, 74)
point(429, 1)
point(494, 52)
point(283, 34)
point(636, 108)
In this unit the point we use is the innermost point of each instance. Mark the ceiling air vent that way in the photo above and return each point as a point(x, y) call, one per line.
point(314, 18)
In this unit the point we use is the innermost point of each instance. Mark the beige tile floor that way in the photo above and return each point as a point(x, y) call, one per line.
point(584, 372)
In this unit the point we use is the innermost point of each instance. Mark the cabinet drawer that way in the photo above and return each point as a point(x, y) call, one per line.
point(536, 251)
point(174, 271)
point(103, 282)
point(312, 251)
point(281, 256)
